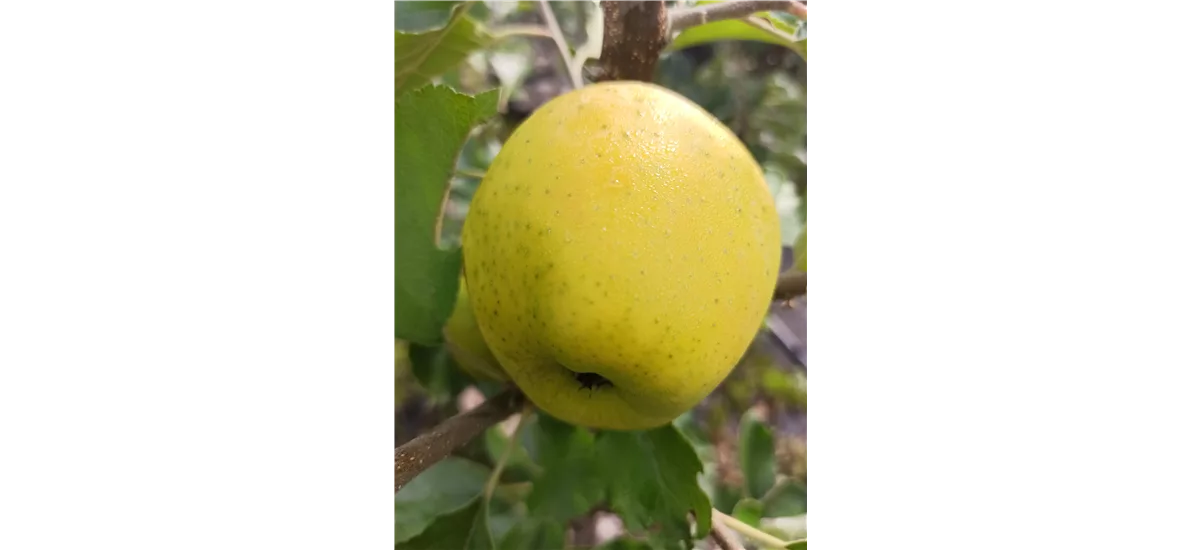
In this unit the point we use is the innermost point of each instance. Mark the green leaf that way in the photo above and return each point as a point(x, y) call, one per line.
point(421, 15)
point(625, 543)
point(725, 497)
point(748, 511)
point(737, 29)
point(422, 56)
point(519, 466)
point(788, 499)
point(756, 447)
point(431, 125)
point(465, 528)
point(435, 370)
point(444, 487)
point(798, 545)
point(534, 533)
point(652, 480)
point(570, 484)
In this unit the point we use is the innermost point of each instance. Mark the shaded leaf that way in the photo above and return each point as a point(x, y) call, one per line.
point(652, 480)
point(519, 467)
point(423, 15)
point(502, 517)
point(465, 528)
point(748, 511)
point(422, 56)
point(798, 545)
point(756, 448)
point(444, 487)
point(534, 534)
point(800, 251)
point(625, 543)
point(435, 370)
point(570, 483)
point(431, 125)
point(725, 498)
point(788, 499)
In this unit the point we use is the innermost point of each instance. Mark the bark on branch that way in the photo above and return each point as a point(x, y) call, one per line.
point(427, 449)
point(634, 34)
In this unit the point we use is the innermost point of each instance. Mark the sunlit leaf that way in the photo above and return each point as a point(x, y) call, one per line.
point(748, 511)
point(431, 125)
point(443, 488)
point(570, 483)
point(652, 481)
point(787, 32)
point(422, 56)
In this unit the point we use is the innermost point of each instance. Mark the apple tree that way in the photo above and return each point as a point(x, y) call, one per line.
point(478, 465)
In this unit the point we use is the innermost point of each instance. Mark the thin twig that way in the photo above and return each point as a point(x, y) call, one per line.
point(427, 449)
point(507, 31)
point(682, 18)
point(721, 535)
point(467, 173)
point(561, 42)
point(749, 531)
point(767, 27)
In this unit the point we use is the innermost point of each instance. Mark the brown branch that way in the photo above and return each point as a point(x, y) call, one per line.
point(721, 535)
point(427, 449)
point(790, 285)
point(682, 18)
point(634, 35)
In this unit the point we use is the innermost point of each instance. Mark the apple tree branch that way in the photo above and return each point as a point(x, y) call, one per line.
point(790, 285)
point(635, 33)
point(427, 449)
point(682, 18)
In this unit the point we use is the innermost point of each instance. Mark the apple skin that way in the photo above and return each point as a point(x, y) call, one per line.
point(465, 342)
point(621, 253)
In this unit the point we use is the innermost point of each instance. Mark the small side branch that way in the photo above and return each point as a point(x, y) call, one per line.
point(564, 51)
point(721, 535)
point(761, 539)
point(790, 285)
point(682, 18)
point(427, 449)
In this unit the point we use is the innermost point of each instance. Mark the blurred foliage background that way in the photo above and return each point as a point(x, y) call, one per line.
point(755, 422)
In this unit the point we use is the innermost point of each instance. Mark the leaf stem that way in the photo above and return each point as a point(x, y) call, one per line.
point(563, 50)
point(749, 531)
point(504, 455)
